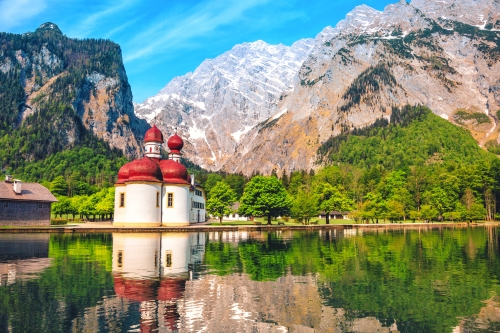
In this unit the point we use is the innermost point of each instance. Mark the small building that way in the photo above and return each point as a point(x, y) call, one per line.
point(234, 216)
point(24, 204)
point(153, 192)
point(335, 215)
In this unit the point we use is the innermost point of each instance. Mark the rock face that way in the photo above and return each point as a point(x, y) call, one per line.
point(238, 117)
point(70, 90)
point(370, 62)
point(219, 102)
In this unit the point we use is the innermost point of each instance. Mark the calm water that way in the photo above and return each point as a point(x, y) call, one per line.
point(423, 280)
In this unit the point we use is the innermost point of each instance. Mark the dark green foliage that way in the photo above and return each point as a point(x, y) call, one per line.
point(95, 164)
point(479, 118)
point(55, 124)
point(397, 46)
point(370, 81)
point(493, 147)
point(267, 124)
point(413, 137)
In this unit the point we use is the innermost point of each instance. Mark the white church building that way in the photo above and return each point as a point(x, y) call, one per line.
point(153, 192)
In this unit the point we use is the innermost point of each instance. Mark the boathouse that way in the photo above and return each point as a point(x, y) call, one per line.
point(24, 204)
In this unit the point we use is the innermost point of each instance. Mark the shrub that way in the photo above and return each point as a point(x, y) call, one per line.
point(58, 221)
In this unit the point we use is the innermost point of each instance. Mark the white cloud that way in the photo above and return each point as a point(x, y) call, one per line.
point(14, 12)
point(175, 30)
point(95, 19)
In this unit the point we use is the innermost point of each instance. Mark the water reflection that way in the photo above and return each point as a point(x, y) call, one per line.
point(152, 269)
point(22, 256)
point(352, 280)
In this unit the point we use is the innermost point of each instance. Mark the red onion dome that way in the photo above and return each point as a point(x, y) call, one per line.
point(153, 135)
point(173, 172)
point(175, 143)
point(123, 173)
point(145, 169)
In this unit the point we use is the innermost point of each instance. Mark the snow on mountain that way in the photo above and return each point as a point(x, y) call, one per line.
point(224, 97)
point(411, 53)
point(261, 106)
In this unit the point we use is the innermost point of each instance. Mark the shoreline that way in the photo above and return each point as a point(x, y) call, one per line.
point(100, 227)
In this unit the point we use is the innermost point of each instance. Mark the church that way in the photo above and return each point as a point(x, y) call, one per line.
point(153, 192)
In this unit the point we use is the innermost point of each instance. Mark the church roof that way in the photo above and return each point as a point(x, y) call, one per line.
point(153, 135)
point(175, 143)
point(29, 192)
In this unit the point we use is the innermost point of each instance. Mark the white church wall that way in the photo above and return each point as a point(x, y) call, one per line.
point(178, 215)
point(175, 252)
point(120, 213)
point(136, 255)
point(140, 203)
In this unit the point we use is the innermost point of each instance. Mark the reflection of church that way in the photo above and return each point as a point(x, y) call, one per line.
point(152, 192)
point(152, 269)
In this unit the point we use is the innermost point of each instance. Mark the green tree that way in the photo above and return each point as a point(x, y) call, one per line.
point(265, 196)
point(62, 206)
point(59, 186)
point(428, 213)
point(106, 202)
point(395, 210)
point(212, 179)
point(237, 183)
point(222, 197)
point(304, 204)
point(476, 212)
point(332, 198)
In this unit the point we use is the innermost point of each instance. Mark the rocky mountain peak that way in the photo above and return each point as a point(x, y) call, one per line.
point(229, 94)
point(480, 13)
point(50, 28)
point(264, 107)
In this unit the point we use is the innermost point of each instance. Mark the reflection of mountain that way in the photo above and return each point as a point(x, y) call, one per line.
point(156, 275)
point(23, 256)
point(340, 281)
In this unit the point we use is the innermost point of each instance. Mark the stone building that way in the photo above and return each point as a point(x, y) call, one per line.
point(24, 204)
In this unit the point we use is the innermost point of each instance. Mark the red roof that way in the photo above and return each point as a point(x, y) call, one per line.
point(153, 135)
point(144, 169)
point(123, 173)
point(175, 143)
point(173, 172)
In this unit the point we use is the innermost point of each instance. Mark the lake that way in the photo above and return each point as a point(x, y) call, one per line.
point(351, 280)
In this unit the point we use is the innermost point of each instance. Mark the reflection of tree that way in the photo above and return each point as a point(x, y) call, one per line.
point(423, 280)
point(78, 278)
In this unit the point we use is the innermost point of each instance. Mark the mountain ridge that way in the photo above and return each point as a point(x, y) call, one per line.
point(408, 47)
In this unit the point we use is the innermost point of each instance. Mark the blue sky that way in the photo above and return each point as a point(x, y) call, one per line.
point(161, 39)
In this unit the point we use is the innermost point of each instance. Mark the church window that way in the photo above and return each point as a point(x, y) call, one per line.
point(170, 200)
point(157, 199)
point(122, 199)
point(120, 258)
point(168, 258)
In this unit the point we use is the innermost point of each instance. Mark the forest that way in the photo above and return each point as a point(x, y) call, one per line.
point(417, 166)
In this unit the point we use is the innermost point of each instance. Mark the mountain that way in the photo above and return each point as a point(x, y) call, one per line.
point(443, 55)
point(214, 106)
point(59, 93)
